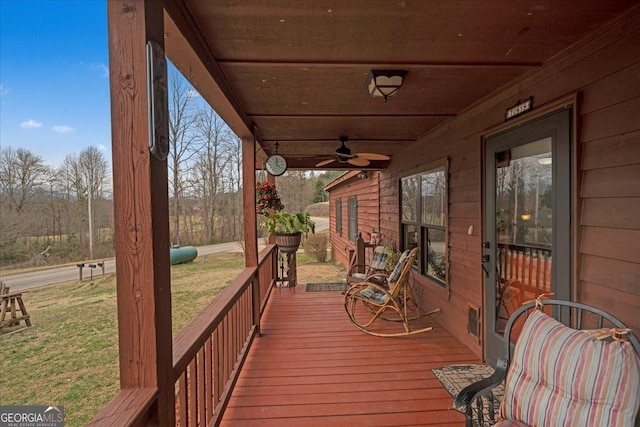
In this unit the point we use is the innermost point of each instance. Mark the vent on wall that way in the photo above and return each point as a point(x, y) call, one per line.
point(473, 321)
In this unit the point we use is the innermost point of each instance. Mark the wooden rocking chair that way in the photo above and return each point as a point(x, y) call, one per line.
point(375, 270)
point(366, 302)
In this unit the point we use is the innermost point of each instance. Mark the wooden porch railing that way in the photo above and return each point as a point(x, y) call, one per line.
point(530, 265)
point(207, 354)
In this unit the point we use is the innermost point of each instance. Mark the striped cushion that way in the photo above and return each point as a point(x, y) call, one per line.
point(563, 377)
point(379, 258)
point(395, 274)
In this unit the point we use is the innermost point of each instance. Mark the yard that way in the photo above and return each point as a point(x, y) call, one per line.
point(70, 355)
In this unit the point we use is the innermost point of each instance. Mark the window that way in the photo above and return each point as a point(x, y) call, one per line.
point(339, 217)
point(424, 213)
point(353, 218)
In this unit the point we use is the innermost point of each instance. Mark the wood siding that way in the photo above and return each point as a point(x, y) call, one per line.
point(366, 191)
point(601, 73)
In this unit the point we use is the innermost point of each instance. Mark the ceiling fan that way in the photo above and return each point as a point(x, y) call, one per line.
point(344, 155)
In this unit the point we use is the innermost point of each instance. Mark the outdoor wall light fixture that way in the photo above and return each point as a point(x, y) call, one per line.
point(385, 83)
point(545, 161)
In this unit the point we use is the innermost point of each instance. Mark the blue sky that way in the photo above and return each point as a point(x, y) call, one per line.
point(54, 83)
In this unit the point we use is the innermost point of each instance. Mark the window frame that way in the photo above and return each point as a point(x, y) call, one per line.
point(338, 208)
point(415, 228)
point(352, 218)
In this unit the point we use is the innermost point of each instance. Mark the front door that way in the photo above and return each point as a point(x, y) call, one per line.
point(527, 206)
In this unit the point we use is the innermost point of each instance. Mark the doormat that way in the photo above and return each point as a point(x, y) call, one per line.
point(324, 287)
point(456, 377)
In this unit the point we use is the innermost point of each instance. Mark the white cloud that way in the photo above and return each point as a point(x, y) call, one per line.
point(30, 124)
point(104, 69)
point(3, 90)
point(62, 129)
point(193, 94)
point(102, 147)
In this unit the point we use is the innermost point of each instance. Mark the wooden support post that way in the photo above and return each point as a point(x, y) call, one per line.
point(293, 270)
point(251, 221)
point(360, 253)
point(271, 180)
point(249, 205)
point(141, 208)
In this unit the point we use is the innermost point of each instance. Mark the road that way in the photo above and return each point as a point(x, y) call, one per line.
point(24, 281)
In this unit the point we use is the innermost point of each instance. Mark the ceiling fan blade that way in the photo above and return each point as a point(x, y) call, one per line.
point(373, 156)
point(359, 161)
point(325, 162)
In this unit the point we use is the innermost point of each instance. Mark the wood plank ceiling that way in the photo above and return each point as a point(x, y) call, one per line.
point(295, 70)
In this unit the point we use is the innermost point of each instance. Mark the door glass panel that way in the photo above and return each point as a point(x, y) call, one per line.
point(435, 255)
point(524, 226)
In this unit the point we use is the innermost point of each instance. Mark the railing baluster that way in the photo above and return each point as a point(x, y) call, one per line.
point(202, 400)
point(208, 380)
point(192, 379)
point(217, 386)
point(182, 398)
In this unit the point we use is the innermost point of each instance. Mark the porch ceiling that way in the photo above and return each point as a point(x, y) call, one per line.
point(294, 71)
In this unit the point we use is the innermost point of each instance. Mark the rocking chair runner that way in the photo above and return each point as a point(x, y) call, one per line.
point(366, 302)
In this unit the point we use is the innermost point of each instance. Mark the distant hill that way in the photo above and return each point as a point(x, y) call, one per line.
point(318, 209)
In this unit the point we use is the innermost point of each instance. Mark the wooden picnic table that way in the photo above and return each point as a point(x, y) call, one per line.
point(10, 304)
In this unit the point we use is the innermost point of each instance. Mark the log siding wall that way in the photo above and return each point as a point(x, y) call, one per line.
point(601, 73)
point(366, 191)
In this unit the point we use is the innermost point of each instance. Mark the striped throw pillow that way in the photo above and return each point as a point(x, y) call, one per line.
point(563, 377)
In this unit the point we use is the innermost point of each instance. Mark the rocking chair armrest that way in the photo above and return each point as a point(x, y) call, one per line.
point(469, 394)
point(357, 266)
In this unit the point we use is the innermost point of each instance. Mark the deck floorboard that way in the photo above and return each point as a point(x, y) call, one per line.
point(312, 367)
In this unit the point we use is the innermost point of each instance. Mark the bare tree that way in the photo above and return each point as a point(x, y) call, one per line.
point(182, 141)
point(21, 174)
point(71, 186)
point(85, 179)
point(209, 171)
point(296, 189)
point(233, 186)
point(94, 170)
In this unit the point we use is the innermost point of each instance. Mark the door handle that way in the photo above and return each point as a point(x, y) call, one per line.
point(485, 261)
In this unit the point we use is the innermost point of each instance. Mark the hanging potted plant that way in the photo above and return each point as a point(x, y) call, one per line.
point(267, 199)
point(288, 228)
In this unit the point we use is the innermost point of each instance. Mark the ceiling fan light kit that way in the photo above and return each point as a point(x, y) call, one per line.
point(385, 83)
point(343, 155)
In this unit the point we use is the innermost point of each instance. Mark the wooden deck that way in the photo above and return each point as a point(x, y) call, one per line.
point(312, 367)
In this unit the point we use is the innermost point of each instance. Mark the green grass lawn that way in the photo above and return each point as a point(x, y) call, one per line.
point(70, 355)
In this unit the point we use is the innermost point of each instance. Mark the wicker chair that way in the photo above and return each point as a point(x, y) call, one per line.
point(367, 301)
point(561, 376)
